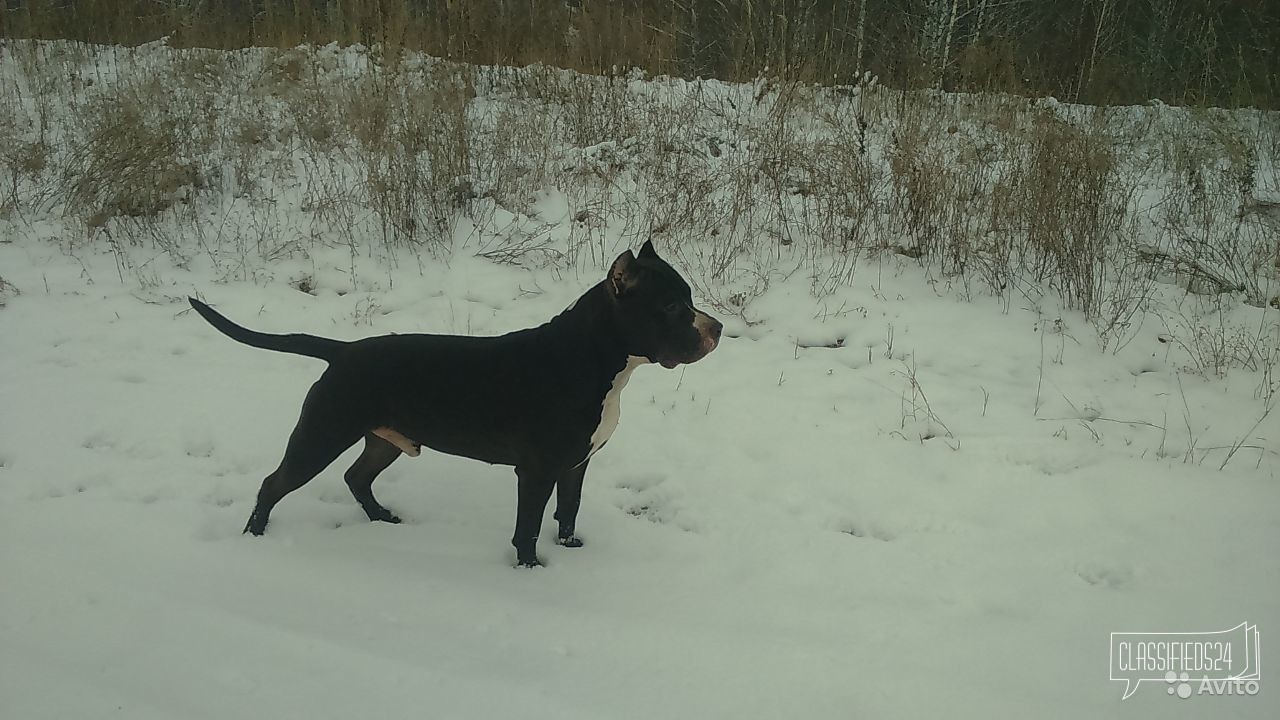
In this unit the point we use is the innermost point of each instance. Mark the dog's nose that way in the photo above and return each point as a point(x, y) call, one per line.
point(715, 330)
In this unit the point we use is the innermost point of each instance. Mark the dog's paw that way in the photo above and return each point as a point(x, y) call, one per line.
point(573, 541)
point(534, 563)
point(383, 515)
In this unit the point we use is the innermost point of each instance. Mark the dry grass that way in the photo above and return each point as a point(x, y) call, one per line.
point(1221, 238)
point(381, 151)
point(133, 158)
point(1075, 208)
point(412, 149)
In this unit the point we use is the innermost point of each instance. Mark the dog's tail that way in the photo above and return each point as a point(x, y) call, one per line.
point(296, 343)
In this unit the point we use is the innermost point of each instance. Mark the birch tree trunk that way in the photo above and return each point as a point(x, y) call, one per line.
point(944, 48)
point(1099, 27)
point(861, 35)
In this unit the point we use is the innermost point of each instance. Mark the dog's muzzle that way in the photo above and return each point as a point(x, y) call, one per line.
point(709, 330)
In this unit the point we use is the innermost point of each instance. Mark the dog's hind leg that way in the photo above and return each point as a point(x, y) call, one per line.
point(322, 434)
point(377, 456)
point(406, 446)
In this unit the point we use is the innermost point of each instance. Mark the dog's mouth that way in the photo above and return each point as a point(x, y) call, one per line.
point(708, 329)
point(704, 349)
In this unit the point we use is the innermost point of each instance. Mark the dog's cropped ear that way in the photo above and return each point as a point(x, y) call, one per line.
point(622, 276)
point(647, 251)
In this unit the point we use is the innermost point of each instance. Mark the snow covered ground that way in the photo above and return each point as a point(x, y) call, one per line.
point(767, 533)
point(883, 502)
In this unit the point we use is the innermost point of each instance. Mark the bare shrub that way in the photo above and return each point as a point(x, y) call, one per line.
point(1215, 342)
point(414, 148)
point(130, 160)
point(845, 198)
point(512, 150)
point(590, 109)
point(1212, 240)
point(1074, 208)
point(918, 172)
point(25, 153)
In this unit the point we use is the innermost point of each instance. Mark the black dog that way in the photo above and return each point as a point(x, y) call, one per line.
point(543, 399)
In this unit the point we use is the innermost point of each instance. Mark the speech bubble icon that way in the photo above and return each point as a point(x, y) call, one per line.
point(1176, 658)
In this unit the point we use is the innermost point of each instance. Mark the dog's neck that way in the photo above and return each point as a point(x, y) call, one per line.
point(590, 320)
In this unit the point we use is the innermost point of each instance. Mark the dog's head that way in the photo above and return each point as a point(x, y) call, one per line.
point(655, 310)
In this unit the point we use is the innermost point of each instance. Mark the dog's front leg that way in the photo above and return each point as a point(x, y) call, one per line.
point(568, 497)
point(534, 490)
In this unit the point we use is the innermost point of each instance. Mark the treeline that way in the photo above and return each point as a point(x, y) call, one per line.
point(1193, 52)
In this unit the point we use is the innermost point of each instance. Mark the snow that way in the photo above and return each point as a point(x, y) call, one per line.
point(766, 533)
point(886, 501)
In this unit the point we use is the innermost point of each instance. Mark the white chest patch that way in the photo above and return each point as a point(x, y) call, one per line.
point(611, 411)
